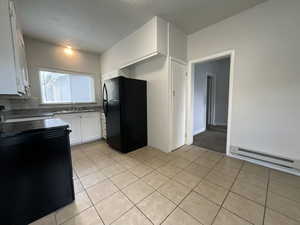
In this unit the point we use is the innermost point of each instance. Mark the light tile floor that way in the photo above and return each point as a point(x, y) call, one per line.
point(191, 186)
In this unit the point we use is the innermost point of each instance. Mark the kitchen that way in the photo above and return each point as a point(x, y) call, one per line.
point(96, 122)
point(55, 87)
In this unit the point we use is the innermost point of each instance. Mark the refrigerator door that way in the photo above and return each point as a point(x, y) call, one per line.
point(113, 113)
point(105, 100)
point(134, 118)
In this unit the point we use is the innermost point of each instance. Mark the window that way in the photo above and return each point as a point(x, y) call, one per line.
point(63, 88)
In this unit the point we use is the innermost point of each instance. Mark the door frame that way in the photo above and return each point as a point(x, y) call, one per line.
point(190, 94)
point(214, 93)
point(171, 105)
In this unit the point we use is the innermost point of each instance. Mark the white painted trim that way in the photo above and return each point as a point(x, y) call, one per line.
point(198, 131)
point(171, 106)
point(180, 61)
point(190, 102)
point(220, 124)
point(214, 93)
point(170, 87)
point(57, 70)
point(150, 55)
point(170, 99)
point(190, 94)
point(265, 164)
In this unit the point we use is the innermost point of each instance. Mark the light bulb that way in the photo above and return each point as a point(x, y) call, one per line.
point(68, 50)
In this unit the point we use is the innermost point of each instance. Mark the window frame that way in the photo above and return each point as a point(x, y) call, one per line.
point(73, 73)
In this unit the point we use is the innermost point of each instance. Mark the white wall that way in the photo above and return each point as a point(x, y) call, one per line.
point(155, 72)
point(222, 91)
point(199, 101)
point(219, 68)
point(266, 106)
point(177, 43)
point(44, 55)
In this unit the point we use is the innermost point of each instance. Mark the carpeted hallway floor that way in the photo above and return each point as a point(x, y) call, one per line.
point(213, 139)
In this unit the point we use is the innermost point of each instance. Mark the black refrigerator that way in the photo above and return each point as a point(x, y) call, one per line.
point(125, 109)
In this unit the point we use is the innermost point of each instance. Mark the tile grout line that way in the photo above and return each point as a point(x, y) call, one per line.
point(266, 200)
point(85, 190)
point(76, 215)
point(133, 204)
point(172, 178)
point(93, 205)
point(221, 207)
point(193, 161)
point(192, 190)
point(247, 198)
point(108, 178)
point(177, 205)
point(283, 196)
point(138, 179)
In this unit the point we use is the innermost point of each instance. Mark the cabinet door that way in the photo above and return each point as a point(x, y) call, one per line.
point(17, 49)
point(23, 61)
point(8, 84)
point(75, 126)
point(90, 126)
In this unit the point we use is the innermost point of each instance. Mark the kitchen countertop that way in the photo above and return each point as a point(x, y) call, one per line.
point(16, 128)
point(47, 112)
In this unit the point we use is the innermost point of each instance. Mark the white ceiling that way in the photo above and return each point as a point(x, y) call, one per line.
point(95, 25)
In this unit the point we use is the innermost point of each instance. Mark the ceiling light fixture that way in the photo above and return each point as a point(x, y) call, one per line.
point(68, 50)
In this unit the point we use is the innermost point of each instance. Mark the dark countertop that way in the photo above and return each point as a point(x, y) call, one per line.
point(47, 112)
point(16, 128)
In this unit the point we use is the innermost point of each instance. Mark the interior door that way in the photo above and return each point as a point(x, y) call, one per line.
point(178, 72)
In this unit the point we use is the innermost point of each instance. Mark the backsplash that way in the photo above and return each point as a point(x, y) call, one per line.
point(5, 103)
point(13, 103)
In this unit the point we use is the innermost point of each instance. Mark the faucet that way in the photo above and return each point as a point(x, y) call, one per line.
point(75, 107)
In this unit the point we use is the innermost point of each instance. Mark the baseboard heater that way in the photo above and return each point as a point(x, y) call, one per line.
point(275, 160)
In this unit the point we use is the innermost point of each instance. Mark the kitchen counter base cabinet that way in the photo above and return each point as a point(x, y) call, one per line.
point(86, 127)
point(36, 175)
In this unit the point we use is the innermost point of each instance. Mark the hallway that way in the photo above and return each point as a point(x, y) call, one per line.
point(214, 138)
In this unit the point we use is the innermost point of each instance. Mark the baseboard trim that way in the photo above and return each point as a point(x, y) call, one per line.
point(220, 124)
point(198, 131)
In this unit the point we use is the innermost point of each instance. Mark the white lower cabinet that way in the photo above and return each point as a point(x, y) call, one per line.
point(85, 126)
point(90, 127)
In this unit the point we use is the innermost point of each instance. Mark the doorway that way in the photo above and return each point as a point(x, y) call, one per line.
point(210, 102)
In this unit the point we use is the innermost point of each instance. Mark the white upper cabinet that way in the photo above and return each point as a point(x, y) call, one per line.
point(149, 40)
point(13, 65)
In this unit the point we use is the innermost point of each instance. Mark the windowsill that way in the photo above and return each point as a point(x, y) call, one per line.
point(49, 105)
point(69, 104)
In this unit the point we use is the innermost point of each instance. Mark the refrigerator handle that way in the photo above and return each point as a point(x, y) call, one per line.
point(105, 101)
